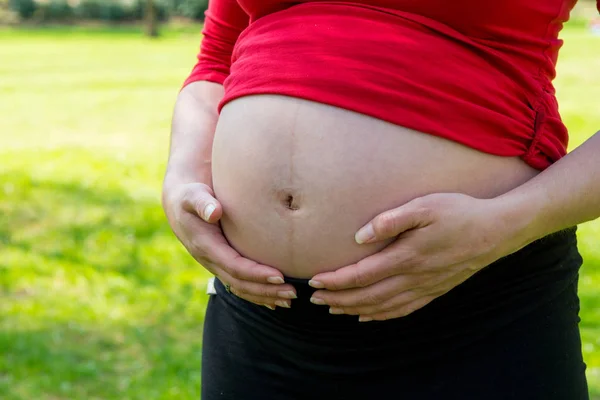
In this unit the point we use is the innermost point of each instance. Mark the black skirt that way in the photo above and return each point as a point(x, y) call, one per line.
point(509, 332)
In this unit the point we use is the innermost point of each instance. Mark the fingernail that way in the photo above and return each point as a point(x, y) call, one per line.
point(365, 234)
point(282, 303)
point(334, 310)
point(316, 284)
point(287, 295)
point(269, 307)
point(275, 280)
point(364, 319)
point(208, 210)
point(319, 302)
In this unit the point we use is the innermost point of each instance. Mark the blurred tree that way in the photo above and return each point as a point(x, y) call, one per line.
point(151, 20)
point(190, 8)
point(25, 8)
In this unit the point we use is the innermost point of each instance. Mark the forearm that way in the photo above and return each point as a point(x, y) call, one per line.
point(194, 121)
point(563, 195)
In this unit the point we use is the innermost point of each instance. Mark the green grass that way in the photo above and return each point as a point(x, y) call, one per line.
point(97, 299)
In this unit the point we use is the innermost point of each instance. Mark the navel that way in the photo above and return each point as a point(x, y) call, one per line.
point(289, 199)
point(291, 203)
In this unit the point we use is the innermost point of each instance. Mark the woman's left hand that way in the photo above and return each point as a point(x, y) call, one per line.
point(442, 240)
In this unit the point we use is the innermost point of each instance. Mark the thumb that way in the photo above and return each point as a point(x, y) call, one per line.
point(391, 223)
point(198, 199)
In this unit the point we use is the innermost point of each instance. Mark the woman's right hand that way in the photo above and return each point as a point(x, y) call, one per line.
point(193, 213)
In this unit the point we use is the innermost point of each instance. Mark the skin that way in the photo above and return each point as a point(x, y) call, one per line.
point(436, 241)
point(443, 239)
point(339, 169)
point(187, 194)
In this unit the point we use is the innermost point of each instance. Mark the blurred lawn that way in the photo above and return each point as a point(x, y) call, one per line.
point(97, 299)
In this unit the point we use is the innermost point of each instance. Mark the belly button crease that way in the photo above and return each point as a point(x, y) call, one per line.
point(290, 204)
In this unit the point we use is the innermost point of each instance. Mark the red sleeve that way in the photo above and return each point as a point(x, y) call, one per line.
point(224, 22)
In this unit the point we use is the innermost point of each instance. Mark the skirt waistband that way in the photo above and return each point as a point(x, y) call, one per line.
point(509, 286)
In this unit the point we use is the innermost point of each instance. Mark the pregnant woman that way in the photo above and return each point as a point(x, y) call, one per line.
point(382, 191)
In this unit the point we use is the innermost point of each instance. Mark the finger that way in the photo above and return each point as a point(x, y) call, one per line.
point(261, 294)
point(243, 268)
point(394, 259)
point(409, 290)
point(391, 223)
point(264, 291)
point(394, 303)
point(424, 286)
point(389, 294)
point(372, 295)
point(214, 247)
point(198, 199)
point(402, 311)
point(267, 302)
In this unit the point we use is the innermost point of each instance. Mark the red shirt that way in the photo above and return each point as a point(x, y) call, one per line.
point(476, 72)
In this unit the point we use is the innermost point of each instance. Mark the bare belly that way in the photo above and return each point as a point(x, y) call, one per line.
point(297, 179)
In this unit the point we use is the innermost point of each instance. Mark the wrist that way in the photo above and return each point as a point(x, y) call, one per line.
point(179, 172)
point(519, 216)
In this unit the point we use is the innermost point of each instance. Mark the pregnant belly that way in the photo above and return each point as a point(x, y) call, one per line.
point(297, 178)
